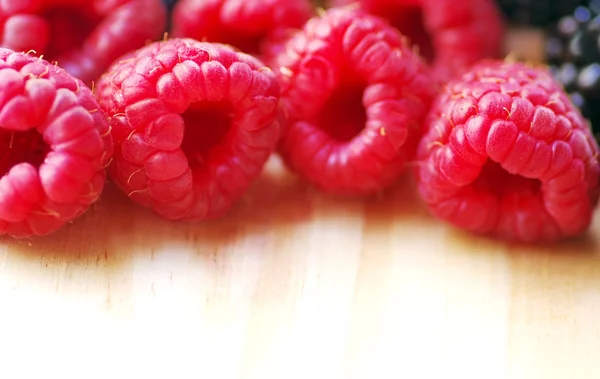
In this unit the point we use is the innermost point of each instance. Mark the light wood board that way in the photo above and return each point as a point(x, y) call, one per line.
point(295, 284)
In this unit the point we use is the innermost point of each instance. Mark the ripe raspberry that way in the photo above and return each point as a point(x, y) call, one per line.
point(452, 35)
point(193, 123)
point(249, 25)
point(507, 154)
point(83, 36)
point(355, 96)
point(55, 146)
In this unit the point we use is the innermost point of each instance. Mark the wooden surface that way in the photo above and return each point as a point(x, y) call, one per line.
point(295, 284)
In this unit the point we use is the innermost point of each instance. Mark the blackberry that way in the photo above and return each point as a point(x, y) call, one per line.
point(573, 55)
point(169, 4)
point(537, 13)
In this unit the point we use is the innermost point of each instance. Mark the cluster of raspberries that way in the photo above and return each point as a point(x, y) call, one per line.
point(348, 96)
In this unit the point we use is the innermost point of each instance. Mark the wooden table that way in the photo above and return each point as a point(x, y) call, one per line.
point(295, 284)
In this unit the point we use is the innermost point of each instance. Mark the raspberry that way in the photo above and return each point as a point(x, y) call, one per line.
point(248, 25)
point(507, 154)
point(83, 36)
point(452, 35)
point(355, 96)
point(55, 146)
point(193, 123)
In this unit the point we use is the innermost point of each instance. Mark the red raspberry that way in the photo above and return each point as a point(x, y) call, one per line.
point(250, 25)
point(355, 96)
point(507, 154)
point(193, 123)
point(55, 146)
point(83, 36)
point(452, 35)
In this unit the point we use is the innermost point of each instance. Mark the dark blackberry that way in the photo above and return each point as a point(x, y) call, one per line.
point(537, 13)
point(170, 4)
point(573, 54)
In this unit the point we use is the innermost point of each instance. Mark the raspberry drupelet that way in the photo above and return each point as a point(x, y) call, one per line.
point(82, 36)
point(355, 97)
point(55, 146)
point(508, 155)
point(193, 123)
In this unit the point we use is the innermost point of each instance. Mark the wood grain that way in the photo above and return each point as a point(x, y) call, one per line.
point(295, 284)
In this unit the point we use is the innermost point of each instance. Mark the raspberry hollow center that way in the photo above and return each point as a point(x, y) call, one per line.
point(409, 20)
point(207, 126)
point(248, 43)
point(21, 147)
point(343, 117)
point(495, 179)
point(69, 27)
